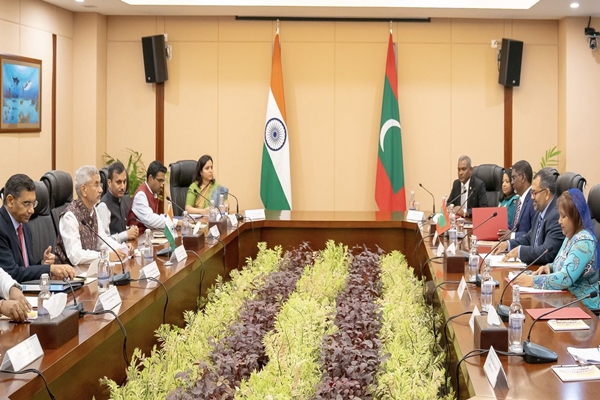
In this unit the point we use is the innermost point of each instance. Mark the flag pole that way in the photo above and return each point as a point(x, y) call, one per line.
point(391, 27)
point(277, 30)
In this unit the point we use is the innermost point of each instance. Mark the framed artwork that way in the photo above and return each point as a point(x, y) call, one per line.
point(21, 94)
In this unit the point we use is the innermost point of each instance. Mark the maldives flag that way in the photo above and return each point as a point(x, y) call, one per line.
point(275, 182)
point(443, 222)
point(389, 186)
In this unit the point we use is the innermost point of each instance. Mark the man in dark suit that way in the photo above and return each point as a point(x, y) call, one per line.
point(546, 233)
point(521, 178)
point(15, 236)
point(468, 192)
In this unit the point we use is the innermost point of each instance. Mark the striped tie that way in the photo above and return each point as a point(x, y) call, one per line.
point(537, 232)
point(22, 243)
point(518, 212)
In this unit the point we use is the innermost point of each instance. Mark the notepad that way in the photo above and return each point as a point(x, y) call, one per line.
point(574, 373)
point(567, 325)
point(565, 313)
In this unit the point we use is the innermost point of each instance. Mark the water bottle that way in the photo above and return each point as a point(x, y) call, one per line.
point(44, 294)
point(453, 232)
point(103, 270)
point(411, 204)
point(212, 212)
point(487, 287)
point(185, 224)
point(473, 266)
point(516, 317)
point(222, 207)
point(147, 253)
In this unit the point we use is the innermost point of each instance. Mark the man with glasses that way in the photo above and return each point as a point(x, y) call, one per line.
point(144, 206)
point(80, 226)
point(524, 212)
point(16, 240)
point(545, 233)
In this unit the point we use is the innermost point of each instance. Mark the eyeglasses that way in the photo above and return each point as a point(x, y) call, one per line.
point(534, 193)
point(94, 185)
point(28, 204)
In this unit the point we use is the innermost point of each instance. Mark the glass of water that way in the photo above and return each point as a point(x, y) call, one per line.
point(487, 295)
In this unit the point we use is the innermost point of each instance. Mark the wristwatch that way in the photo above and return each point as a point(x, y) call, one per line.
point(16, 285)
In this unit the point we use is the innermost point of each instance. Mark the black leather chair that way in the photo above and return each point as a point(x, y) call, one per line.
point(40, 223)
point(60, 190)
point(594, 206)
point(181, 177)
point(569, 180)
point(491, 175)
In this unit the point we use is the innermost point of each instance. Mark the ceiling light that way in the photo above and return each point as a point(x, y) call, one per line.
point(574, 5)
point(79, 1)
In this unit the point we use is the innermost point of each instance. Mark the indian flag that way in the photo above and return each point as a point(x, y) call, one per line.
point(275, 183)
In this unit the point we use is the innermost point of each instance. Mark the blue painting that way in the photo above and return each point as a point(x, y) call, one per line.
point(21, 93)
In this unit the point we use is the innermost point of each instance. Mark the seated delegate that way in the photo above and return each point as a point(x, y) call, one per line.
point(509, 197)
point(204, 188)
point(576, 265)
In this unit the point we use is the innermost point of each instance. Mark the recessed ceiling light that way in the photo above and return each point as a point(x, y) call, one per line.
point(79, 1)
point(574, 5)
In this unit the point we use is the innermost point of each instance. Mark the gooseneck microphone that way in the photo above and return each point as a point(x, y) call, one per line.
point(432, 198)
point(503, 310)
point(76, 306)
point(478, 278)
point(454, 199)
point(536, 354)
point(201, 195)
point(180, 209)
point(237, 207)
point(466, 201)
point(118, 280)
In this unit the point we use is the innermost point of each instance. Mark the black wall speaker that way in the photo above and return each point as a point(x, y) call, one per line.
point(510, 62)
point(155, 58)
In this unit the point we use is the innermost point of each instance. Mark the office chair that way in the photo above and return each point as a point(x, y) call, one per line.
point(41, 224)
point(491, 175)
point(181, 177)
point(60, 190)
point(569, 180)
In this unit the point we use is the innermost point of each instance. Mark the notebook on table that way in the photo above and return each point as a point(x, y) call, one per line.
point(56, 286)
point(489, 230)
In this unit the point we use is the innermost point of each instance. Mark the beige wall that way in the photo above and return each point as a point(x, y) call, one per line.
point(580, 86)
point(450, 101)
point(26, 28)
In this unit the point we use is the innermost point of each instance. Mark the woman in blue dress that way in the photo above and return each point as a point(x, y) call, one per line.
point(576, 266)
point(509, 197)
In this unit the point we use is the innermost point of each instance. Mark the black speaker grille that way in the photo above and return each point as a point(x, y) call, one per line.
point(510, 62)
point(155, 59)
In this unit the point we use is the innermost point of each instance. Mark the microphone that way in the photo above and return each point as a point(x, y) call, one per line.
point(76, 306)
point(454, 199)
point(478, 278)
point(118, 280)
point(181, 209)
point(432, 197)
point(237, 207)
point(467, 199)
point(503, 310)
point(536, 354)
point(201, 195)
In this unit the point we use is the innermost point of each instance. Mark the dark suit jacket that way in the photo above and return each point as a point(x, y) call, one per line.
point(477, 193)
point(550, 236)
point(11, 259)
point(527, 217)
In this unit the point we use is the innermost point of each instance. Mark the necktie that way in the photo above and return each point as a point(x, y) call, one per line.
point(22, 242)
point(517, 212)
point(537, 232)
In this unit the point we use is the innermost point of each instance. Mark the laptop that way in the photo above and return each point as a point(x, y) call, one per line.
point(489, 230)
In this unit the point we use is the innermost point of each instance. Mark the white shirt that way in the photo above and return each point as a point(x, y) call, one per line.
point(464, 196)
point(143, 212)
point(6, 282)
point(104, 214)
point(69, 230)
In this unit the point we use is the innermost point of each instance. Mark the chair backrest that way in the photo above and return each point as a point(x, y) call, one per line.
point(569, 180)
point(594, 206)
point(60, 190)
point(180, 179)
point(40, 223)
point(491, 175)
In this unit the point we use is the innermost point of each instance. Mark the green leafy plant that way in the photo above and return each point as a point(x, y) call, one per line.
point(136, 170)
point(550, 158)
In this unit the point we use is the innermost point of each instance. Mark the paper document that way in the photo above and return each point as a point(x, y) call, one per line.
point(573, 373)
point(558, 325)
point(496, 262)
point(588, 355)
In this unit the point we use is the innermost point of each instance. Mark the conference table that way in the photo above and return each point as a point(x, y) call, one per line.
point(74, 369)
point(526, 381)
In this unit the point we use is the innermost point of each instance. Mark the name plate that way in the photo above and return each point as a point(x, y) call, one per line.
point(253, 215)
point(179, 255)
point(462, 286)
point(93, 268)
point(22, 354)
point(494, 370)
point(214, 232)
point(197, 228)
point(233, 222)
point(415, 216)
point(150, 271)
point(476, 313)
point(108, 300)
